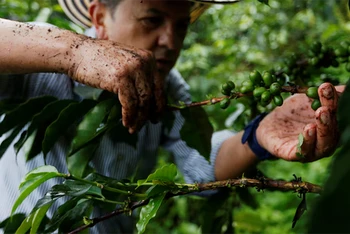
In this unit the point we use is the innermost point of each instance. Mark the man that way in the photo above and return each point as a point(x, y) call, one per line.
point(120, 62)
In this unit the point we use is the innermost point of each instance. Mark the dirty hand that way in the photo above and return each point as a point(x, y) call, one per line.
point(278, 132)
point(126, 71)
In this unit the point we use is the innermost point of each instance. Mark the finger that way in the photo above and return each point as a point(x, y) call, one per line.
point(129, 101)
point(327, 131)
point(340, 88)
point(309, 141)
point(328, 95)
point(144, 91)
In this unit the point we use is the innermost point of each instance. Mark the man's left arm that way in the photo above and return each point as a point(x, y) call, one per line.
point(278, 134)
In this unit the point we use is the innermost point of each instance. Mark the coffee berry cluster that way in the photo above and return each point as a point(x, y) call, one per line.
point(265, 88)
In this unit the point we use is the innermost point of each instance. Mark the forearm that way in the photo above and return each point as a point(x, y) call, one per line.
point(233, 158)
point(27, 48)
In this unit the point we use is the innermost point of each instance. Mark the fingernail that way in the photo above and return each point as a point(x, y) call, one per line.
point(325, 118)
point(327, 92)
point(311, 132)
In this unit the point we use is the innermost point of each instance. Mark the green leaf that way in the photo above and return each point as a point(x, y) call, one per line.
point(33, 221)
point(34, 146)
point(46, 116)
point(119, 133)
point(197, 130)
point(32, 180)
point(7, 142)
point(71, 114)
point(11, 224)
point(24, 113)
point(92, 125)
point(78, 163)
point(164, 175)
point(69, 215)
point(155, 190)
point(38, 216)
point(7, 105)
point(213, 211)
point(148, 212)
point(116, 131)
point(78, 188)
point(300, 143)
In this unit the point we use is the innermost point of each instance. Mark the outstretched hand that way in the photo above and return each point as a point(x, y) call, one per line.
point(129, 72)
point(279, 131)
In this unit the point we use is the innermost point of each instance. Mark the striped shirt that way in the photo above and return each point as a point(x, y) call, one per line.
point(114, 159)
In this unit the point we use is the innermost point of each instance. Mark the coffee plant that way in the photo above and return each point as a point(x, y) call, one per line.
point(104, 115)
point(263, 90)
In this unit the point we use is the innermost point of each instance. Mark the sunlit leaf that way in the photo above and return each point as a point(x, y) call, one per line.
point(33, 221)
point(33, 180)
point(164, 175)
point(38, 216)
point(148, 212)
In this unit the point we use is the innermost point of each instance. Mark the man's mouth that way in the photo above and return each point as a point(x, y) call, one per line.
point(164, 64)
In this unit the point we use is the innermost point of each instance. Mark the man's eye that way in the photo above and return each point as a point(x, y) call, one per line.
point(152, 22)
point(183, 26)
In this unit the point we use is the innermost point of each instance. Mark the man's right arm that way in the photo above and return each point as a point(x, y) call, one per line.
point(126, 71)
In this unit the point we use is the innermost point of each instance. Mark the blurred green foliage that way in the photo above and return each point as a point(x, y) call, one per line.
point(226, 43)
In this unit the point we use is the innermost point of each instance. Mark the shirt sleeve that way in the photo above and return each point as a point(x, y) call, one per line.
point(193, 166)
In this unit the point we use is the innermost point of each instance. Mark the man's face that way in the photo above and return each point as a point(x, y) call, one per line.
point(156, 25)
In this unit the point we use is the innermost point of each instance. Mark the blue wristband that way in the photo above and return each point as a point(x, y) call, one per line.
point(250, 136)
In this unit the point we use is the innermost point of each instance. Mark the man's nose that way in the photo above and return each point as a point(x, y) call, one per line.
point(169, 38)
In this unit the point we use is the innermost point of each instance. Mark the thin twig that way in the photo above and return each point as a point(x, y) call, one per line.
point(290, 89)
point(264, 183)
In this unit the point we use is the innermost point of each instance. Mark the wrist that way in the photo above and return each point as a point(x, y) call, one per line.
point(250, 137)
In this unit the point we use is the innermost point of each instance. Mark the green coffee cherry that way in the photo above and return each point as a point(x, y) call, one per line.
point(263, 104)
point(255, 77)
point(258, 91)
point(247, 86)
point(227, 88)
point(267, 78)
point(266, 96)
point(275, 88)
point(312, 92)
point(224, 103)
point(278, 100)
point(315, 104)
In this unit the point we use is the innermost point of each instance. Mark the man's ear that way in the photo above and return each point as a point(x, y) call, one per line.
point(98, 13)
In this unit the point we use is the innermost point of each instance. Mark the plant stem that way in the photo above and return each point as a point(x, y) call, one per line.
point(107, 188)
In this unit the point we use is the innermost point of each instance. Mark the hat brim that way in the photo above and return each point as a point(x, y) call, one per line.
point(78, 10)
